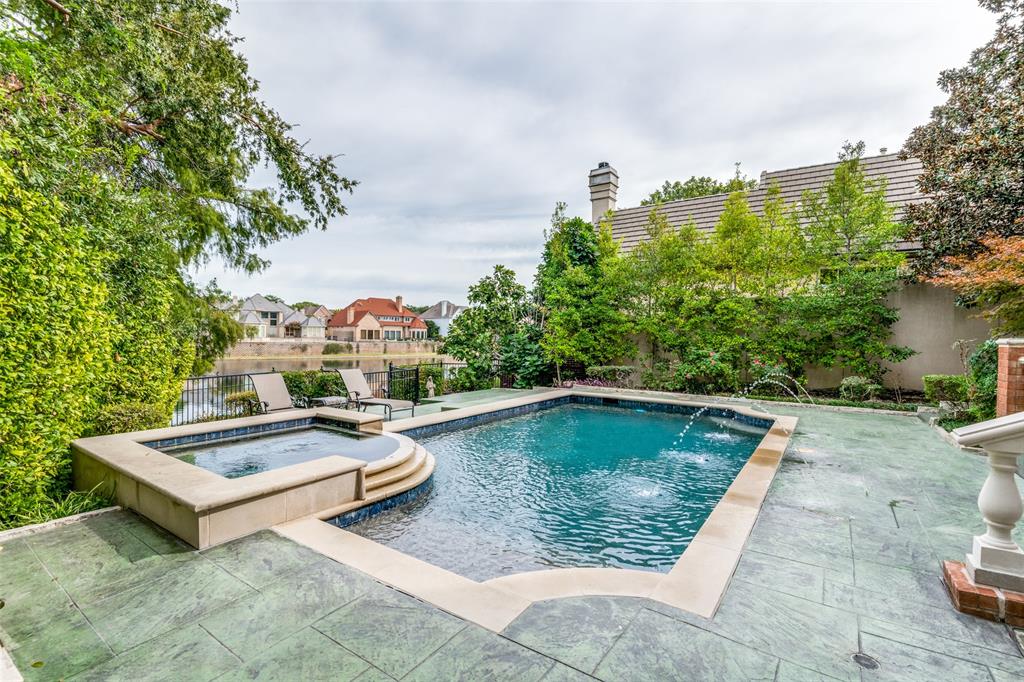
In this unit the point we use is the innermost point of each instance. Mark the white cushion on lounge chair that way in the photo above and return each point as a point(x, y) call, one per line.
point(355, 383)
point(358, 389)
point(271, 391)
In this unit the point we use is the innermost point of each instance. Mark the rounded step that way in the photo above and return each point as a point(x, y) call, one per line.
point(407, 467)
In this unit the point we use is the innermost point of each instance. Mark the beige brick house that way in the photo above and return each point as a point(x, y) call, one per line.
point(373, 319)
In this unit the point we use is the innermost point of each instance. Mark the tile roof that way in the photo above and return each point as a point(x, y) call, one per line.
point(629, 224)
point(378, 307)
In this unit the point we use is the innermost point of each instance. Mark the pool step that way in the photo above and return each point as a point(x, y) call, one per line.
point(418, 476)
point(397, 473)
point(408, 475)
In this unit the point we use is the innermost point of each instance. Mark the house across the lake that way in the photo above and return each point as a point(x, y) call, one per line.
point(373, 319)
point(320, 312)
point(267, 319)
point(442, 313)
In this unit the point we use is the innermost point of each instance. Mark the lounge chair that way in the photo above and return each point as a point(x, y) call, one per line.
point(360, 393)
point(272, 394)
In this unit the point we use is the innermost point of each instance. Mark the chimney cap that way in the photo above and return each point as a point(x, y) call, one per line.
point(602, 164)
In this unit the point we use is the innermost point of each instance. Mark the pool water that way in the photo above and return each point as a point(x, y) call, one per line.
point(237, 458)
point(573, 485)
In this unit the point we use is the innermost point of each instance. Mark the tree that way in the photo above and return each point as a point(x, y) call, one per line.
point(128, 133)
point(698, 187)
point(433, 331)
point(301, 305)
point(849, 222)
point(497, 329)
point(992, 277)
point(972, 149)
point(574, 287)
point(657, 276)
point(736, 241)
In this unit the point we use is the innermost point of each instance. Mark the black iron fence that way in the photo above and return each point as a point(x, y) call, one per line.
point(222, 396)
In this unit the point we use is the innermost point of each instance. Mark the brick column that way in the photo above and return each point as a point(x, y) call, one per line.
point(1010, 387)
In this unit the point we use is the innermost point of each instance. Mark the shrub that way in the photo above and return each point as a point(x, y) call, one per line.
point(313, 384)
point(704, 371)
point(333, 348)
point(768, 376)
point(951, 388)
point(858, 388)
point(241, 403)
point(129, 416)
point(983, 367)
point(594, 381)
point(609, 375)
point(469, 379)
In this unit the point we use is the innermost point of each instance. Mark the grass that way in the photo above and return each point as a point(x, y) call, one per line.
point(75, 502)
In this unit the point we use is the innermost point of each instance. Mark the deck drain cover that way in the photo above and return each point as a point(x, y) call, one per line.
point(865, 661)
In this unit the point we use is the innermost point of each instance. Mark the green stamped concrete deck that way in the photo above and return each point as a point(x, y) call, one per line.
point(843, 559)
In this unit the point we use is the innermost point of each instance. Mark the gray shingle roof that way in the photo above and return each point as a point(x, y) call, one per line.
point(629, 224)
point(434, 311)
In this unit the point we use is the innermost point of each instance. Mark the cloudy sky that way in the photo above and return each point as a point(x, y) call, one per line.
point(464, 123)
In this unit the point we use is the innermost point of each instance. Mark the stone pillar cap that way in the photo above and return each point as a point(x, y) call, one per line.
point(1010, 342)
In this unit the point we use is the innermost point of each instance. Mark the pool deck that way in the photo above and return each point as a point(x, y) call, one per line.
point(844, 559)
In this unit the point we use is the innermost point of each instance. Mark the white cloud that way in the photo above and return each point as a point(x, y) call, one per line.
point(465, 123)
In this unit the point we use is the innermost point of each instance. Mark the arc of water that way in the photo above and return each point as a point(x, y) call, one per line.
point(771, 377)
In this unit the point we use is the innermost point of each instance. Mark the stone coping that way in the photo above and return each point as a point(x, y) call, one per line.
point(200, 490)
point(696, 583)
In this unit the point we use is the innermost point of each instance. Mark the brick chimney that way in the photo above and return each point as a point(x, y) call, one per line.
point(604, 186)
point(1010, 385)
point(350, 314)
point(444, 308)
point(398, 304)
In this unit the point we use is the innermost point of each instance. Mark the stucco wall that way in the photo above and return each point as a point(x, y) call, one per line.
point(930, 323)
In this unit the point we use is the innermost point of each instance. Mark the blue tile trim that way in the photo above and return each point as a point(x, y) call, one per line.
point(363, 513)
point(624, 403)
point(243, 431)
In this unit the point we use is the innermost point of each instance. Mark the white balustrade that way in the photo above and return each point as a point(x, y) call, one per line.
point(996, 560)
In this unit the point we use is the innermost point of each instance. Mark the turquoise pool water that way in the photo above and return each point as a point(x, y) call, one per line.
point(236, 458)
point(573, 485)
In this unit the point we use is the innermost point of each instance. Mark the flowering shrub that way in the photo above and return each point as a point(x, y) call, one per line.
point(594, 381)
point(609, 375)
point(858, 388)
point(705, 371)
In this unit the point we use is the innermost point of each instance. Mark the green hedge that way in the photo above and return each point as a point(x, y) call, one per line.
point(953, 388)
point(128, 416)
point(54, 345)
point(313, 384)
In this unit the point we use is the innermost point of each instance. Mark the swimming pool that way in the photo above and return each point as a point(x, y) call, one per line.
point(236, 458)
point(573, 485)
